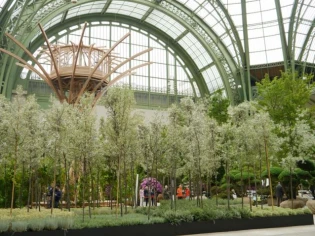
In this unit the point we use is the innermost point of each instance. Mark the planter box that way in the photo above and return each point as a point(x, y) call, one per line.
point(184, 228)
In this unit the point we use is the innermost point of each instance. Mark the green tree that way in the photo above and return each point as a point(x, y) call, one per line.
point(218, 107)
point(284, 97)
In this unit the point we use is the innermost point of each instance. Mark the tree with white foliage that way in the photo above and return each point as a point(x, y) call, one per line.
point(56, 119)
point(240, 117)
point(120, 132)
point(264, 127)
point(177, 147)
point(213, 149)
point(15, 121)
point(295, 146)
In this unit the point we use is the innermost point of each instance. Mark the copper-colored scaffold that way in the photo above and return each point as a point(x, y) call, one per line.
point(77, 68)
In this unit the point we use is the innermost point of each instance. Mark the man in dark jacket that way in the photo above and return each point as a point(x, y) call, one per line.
point(279, 193)
point(58, 195)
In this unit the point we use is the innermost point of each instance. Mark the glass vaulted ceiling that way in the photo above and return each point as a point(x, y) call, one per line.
point(167, 74)
point(262, 25)
point(276, 30)
point(167, 24)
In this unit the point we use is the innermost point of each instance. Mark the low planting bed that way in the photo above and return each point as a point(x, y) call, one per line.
point(187, 219)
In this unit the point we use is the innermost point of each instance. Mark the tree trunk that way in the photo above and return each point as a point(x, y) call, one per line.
point(98, 188)
point(268, 169)
point(228, 182)
point(29, 190)
point(13, 185)
point(291, 188)
point(21, 185)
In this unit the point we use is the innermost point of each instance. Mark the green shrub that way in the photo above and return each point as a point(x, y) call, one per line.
point(175, 218)
point(51, 223)
point(198, 214)
point(245, 213)
point(36, 225)
point(65, 223)
point(19, 226)
point(4, 225)
point(307, 211)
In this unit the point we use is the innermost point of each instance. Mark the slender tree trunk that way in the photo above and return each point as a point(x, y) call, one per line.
point(40, 195)
point(98, 188)
point(118, 187)
point(260, 165)
point(268, 169)
point(228, 182)
point(21, 185)
point(67, 184)
point(93, 187)
point(54, 187)
point(13, 185)
point(83, 188)
point(190, 185)
point(242, 186)
point(250, 195)
point(5, 185)
point(256, 203)
point(291, 187)
point(125, 179)
point(29, 189)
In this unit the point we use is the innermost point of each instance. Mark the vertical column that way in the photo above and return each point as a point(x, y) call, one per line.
point(248, 95)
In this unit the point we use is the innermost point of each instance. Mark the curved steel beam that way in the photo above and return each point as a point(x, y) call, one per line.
point(64, 6)
point(130, 21)
point(144, 26)
point(222, 68)
point(282, 34)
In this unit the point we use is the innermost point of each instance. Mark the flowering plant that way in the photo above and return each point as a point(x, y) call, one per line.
point(152, 183)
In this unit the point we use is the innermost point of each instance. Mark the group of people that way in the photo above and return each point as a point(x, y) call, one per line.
point(181, 194)
point(145, 195)
point(57, 197)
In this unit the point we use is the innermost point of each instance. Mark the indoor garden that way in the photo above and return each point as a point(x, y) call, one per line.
point(230, 157)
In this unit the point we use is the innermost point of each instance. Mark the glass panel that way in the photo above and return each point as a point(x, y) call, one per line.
point(159, 77)
point(274, 55)
point(195, 49)
point(87, 8)
point(257, 58)
point(212, 79)
point(165, 23)
point(2, 2)
point(128, 8)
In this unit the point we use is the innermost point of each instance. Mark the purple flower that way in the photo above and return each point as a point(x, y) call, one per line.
point(152, 183)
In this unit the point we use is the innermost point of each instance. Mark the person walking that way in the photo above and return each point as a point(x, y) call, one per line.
point(141, 196)
point(279, 193)
point(146, 195)
point(179, 192)
point(187, 193)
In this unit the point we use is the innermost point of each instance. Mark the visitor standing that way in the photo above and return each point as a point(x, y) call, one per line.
point(146, 195)
point(279, 193)
point(234, 196)
point(152, 196)
point(166, 194)
point(58, 195)
point(141, 196)
point(187, 193)
point(179, 192)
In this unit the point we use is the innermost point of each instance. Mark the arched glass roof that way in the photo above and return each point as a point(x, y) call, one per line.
point(223, 39)
point(167, 74)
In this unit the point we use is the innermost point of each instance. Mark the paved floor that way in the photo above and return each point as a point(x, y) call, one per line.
point(308, 230)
